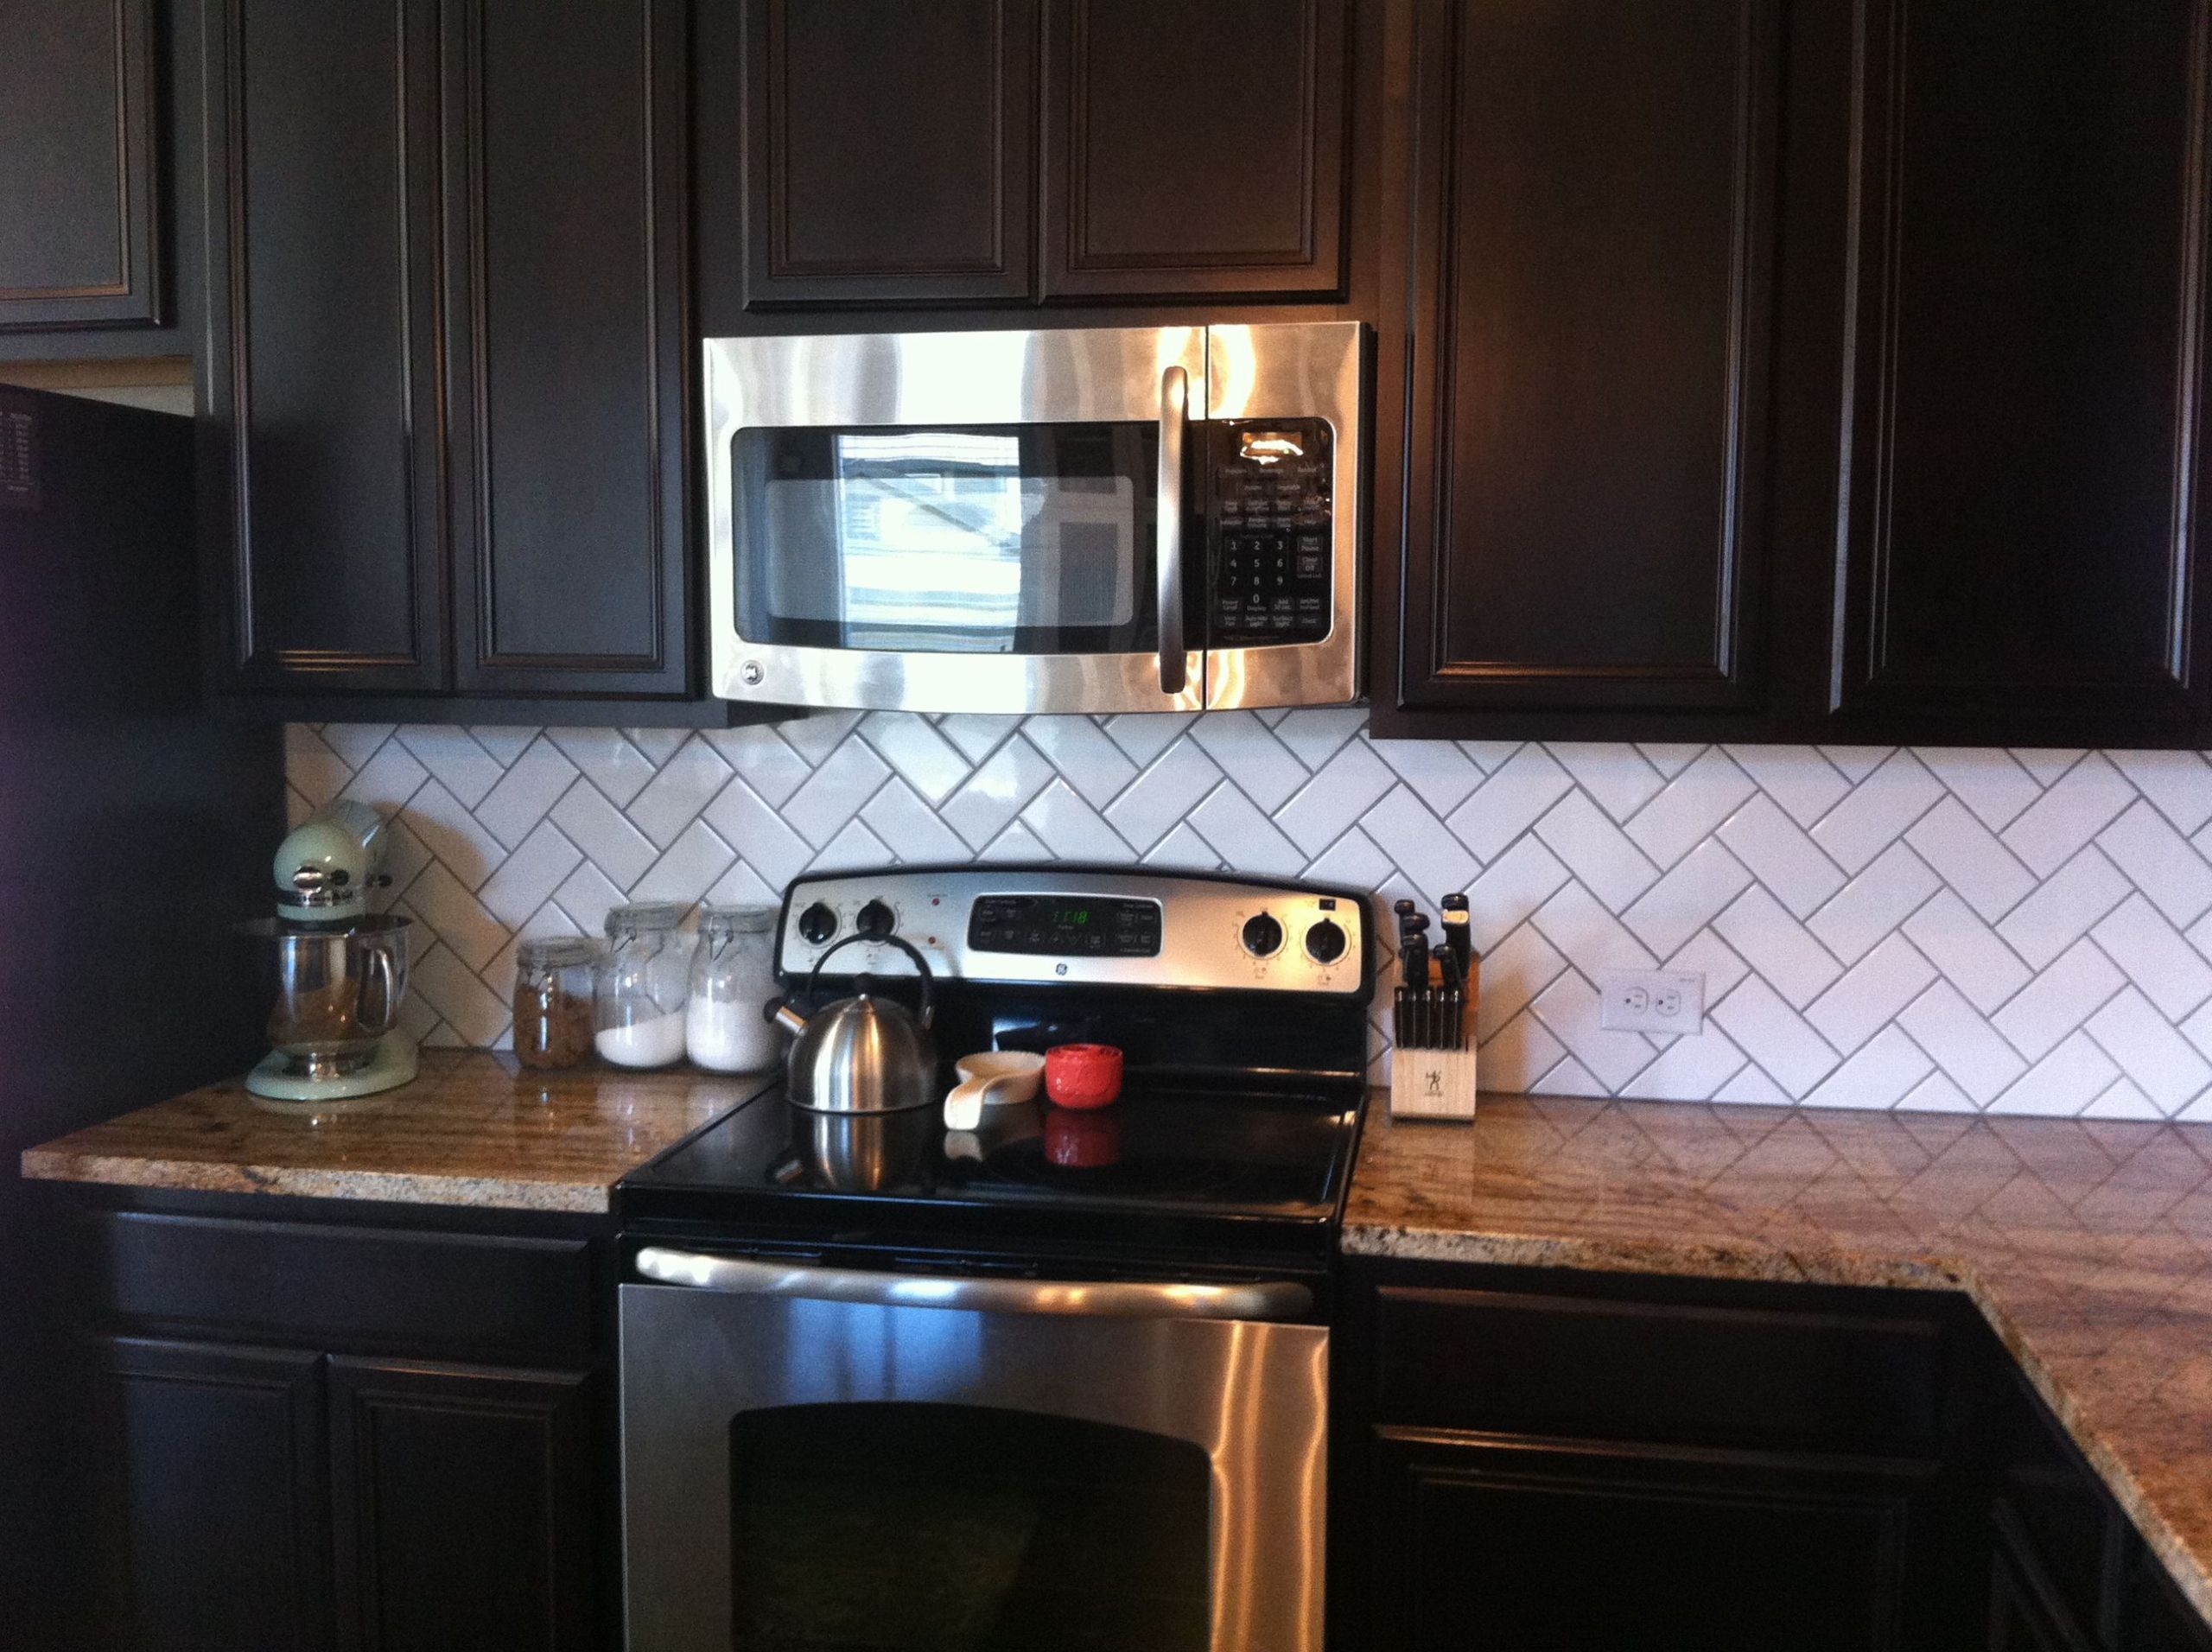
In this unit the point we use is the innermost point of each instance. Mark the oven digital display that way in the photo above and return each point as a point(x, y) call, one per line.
point(1061, 927)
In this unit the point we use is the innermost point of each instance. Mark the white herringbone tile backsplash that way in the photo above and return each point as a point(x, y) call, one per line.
point(2023, 932)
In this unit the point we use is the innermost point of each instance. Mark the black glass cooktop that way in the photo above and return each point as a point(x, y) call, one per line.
point(1163, 1168)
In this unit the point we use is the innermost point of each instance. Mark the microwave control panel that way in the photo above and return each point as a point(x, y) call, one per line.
point(1268, 518)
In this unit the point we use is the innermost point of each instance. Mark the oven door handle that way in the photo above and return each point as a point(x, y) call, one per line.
point(1174, 428)
point(1106, 1299)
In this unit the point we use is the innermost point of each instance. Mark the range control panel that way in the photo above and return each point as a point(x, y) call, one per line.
point(1270, 515)
point(1077, 926)
point(1064, 926)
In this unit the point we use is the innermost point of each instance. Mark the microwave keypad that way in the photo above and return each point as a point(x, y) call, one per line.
point(1271, 559)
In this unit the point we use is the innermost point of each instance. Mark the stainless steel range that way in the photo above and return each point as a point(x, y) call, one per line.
point(1060, 1381)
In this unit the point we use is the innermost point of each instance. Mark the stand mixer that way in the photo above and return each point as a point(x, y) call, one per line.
point(336, 972)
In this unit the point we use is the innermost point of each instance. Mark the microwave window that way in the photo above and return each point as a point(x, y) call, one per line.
point(1031, 538)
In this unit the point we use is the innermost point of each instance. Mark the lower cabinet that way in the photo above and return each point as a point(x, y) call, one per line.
point(213, 1496)
point(265, 1497)
point(1512, 1543)
point(319, 1437)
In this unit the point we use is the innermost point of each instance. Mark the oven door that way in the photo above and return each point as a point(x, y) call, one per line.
point(989, 522)
point(817, 1459)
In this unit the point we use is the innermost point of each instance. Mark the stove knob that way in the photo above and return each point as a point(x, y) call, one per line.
point(1325, 942)
point(1262, 936)
point(817, 923)
point(875, 920)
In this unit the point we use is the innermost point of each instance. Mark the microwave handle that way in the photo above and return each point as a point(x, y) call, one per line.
point(1174, 428)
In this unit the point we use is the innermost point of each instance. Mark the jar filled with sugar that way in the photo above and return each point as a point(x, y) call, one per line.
point(640, 987)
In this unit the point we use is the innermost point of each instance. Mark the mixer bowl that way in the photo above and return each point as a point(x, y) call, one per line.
point(334, 990)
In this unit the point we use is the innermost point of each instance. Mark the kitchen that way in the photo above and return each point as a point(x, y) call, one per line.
point(1120, 507)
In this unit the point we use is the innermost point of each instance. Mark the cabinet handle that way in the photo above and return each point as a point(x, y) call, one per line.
point(1107, 1299)
point(1175, 425)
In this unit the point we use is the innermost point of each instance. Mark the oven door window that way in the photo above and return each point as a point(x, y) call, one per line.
point(985, 539)
point(963, 1528)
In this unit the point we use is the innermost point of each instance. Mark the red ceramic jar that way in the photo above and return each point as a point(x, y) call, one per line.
point(1083, 1075)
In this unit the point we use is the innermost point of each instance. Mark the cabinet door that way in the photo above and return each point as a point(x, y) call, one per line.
point(461, 1497)
point(1587, 460)
point(1195, 147)
point(1485, 1544)
point(889, 151)
point(214, 1514)
point(327, 486)
point(2026, 373)
point(79, 213)
point(2026, 1613)
point(563, 190)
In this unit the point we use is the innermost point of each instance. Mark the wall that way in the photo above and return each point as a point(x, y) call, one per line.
point(2025, 931)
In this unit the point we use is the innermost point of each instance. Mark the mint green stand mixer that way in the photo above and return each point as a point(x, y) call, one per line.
point(336, 973)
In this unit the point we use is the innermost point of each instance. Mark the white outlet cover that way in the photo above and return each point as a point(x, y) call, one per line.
point(1651, 1000)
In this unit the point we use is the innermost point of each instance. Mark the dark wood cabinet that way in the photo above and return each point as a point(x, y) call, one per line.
point(214, 1492)
point(1538, 1547)
point(1546, 1460)
point(1532, 1459)
point(362, 1434)
point(451, 430)
point(81, 184)
point(1592, 245)
point(889, 151)
point(569, 431)
point(323, 357)
point(2020, 473)
point(985, 152)
point(1193, 147)
point(462, 1507)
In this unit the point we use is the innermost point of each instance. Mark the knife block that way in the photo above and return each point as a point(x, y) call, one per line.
point(1434, 1083)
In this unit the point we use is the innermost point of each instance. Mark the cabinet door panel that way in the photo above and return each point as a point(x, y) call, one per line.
point(2026, 367)
point(1492, 1544)
point(324, 356)
point(461, 1497)
point(1592, 221)
point(215, 1515)
point(79, 218)
point(563, 172)
point(1195, 147)
point(889, 151)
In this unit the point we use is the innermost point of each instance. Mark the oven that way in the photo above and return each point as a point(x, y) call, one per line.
point(822, 1456)
point(1063, 520)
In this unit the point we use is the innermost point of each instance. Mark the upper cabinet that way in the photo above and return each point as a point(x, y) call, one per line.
point(446, 350)
point(1591, 247)
point(2019, 499)
point(889, 150)
point(1193, 149)
point(990, 151)
point(80, 213)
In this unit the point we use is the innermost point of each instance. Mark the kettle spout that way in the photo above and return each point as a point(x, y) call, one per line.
point(779, 1011)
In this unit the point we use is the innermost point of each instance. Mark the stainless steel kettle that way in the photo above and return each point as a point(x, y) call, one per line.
point(862, 1054)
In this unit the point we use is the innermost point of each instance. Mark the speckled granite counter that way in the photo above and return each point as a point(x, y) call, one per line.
point(472, 1129)
point(2086, 1244)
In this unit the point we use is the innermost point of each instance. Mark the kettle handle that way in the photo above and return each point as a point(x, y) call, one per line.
point(921, 967)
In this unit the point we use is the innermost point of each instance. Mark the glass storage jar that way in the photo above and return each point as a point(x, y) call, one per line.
point(733, 978)
point(553, 1000)
point(640, 986)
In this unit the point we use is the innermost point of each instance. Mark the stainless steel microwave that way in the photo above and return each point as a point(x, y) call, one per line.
point(1087, 519)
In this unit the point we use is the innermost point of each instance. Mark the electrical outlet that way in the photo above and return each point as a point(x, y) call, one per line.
point(1650, 1001)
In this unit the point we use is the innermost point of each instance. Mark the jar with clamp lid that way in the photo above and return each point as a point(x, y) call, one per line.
point(553, 1000)
point(733, 979)
point(641, 986)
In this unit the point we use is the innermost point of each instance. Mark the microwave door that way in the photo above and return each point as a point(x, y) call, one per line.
point(972, 522)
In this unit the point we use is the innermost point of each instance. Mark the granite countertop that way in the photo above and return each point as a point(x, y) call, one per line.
point(472, 1129)
point(2086, 1244)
